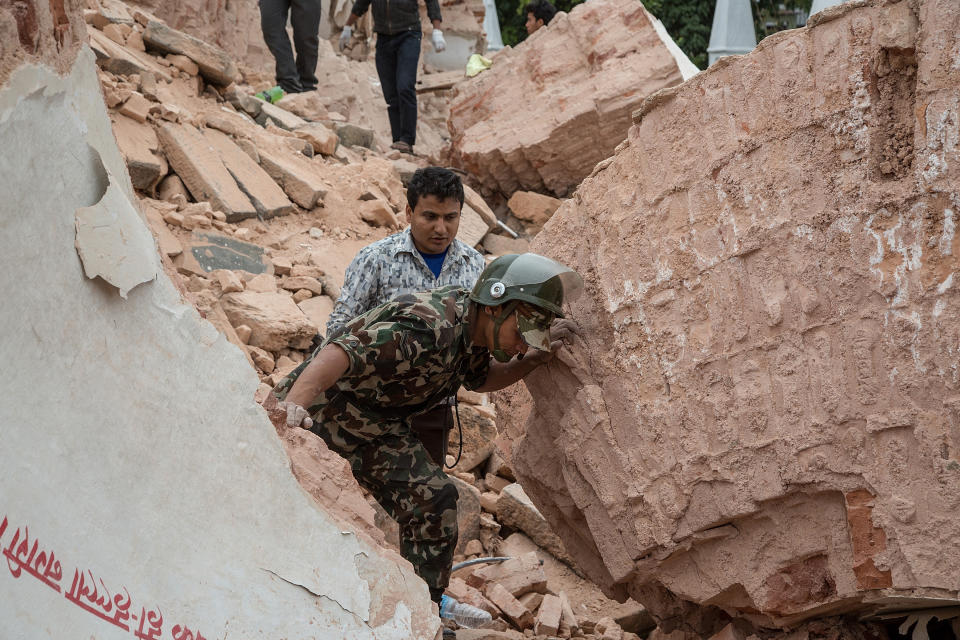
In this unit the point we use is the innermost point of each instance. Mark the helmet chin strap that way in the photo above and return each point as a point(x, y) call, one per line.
point(499, 354)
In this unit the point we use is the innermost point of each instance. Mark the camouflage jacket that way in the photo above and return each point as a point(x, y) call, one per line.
point(392, 267)
point(406, 356)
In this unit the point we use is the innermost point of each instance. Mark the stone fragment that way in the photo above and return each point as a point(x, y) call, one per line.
point(199, 166)
point(591, 604)
point(207, 251)
point(496, 483)
point(244, 332)
point(302, 294)
point(463, 592)
point(498, 245)
point(518, 614)
point(608, 629)
point(266, 196)
point(261, 358)
point(135, 41)
point(531, 600)
point(136, 107)
point(282, 265)
point(729, 632)
point(473, 548)
point(518, 575)
point(213, 63)
point(320, 137)
point(173, 218)
point(121, 60)
point(353, 136)
point(172, 186)
point(111, 12)
point(263, 283)
point(148, 85)
point(468, 513)
point(589, 71)
point(274, 319)
point(318, 310)
point(272, 114)
point(488, 501)
point(534, 209)
point(295, 174)
point(497, 466)
point(472, 227)
point(229, 281)
point(308, 105)
point(479, 433)
point(183, 63)
point(568, 620)
point(141, 150)
point(166, 241)
point(516, 510)
point(295, 283)
point(114, 32)
point(378, 213)
point(548, 616)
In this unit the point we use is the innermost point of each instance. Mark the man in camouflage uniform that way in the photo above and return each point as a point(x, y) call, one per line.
point(405, 357)
point(424, 256)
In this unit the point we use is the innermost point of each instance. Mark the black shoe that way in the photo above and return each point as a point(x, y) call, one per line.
point(449, 634)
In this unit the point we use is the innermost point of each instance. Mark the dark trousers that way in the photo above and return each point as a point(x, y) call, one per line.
point(433, 429)
point(293, 77)
point(397, 59)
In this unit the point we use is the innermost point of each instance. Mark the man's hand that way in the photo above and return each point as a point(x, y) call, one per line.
point(439, 44)
point(562, 332)
point(297, 416)
point(345, 37)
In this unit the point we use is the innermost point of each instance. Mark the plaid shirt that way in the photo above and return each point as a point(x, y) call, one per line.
point(391, 267)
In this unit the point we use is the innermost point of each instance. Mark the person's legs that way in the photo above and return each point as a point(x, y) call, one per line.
point(396, 468)
point(433, 428)
point(408, 59)
point(273, 22)
point(305, 18)
point(387, 70)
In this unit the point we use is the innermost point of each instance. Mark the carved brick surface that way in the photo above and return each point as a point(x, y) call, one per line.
point(763, 412)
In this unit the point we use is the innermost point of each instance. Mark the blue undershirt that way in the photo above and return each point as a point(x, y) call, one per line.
point(434, 260)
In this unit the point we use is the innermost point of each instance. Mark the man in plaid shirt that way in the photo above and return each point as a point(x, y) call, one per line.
point(424, 256)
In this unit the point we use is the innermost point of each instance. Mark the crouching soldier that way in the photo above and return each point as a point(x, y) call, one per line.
point(405, 357)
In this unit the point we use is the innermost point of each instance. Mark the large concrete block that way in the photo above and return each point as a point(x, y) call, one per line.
point(761, 417)
point(143, 491)
point(581, 77)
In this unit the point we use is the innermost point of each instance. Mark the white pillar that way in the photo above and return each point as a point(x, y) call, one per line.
point(820, 5)
point(491, 24)
point(732, 32)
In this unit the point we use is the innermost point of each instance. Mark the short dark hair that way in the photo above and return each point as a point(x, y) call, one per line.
point(434, 181)
point(542, 10)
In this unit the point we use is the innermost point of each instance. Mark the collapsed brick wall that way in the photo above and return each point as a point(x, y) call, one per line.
point(762, 419)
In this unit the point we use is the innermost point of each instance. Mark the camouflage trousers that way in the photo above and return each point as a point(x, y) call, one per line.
point(389, 460)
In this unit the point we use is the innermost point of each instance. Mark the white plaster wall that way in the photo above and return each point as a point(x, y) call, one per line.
point(131, 445)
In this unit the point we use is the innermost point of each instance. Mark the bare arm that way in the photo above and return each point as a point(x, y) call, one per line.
point(321, 374)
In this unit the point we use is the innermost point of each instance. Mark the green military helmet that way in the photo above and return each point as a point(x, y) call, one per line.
point(531, 278)
point(528, 277)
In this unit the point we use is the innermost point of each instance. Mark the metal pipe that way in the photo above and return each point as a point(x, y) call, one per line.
point(468, 563)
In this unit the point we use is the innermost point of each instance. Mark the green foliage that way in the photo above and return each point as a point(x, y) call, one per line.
point(687, 21)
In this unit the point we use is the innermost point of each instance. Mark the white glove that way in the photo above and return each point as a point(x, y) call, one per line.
point(439, 44)
point(345, 37)
point(297, 416)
